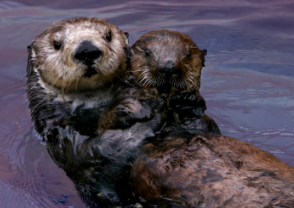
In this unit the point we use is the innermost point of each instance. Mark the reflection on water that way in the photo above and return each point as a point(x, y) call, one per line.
point(248, 81)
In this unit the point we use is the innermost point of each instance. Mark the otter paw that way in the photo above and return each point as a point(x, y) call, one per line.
point(130, 112)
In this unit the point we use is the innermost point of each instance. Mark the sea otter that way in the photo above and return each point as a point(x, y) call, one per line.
point(185, 165)
point(74, 64)
point(144, 107)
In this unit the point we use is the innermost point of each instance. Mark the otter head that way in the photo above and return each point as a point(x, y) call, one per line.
point(167, 59)
point(79, 54)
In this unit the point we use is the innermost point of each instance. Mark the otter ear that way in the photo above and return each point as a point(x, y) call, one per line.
point(30, 66)
point(203, 54)
point(127, 36)
point(128, 55)
point(128, 52)
point(29, 48)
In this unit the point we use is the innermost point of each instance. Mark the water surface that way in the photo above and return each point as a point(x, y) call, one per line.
point(248, 81)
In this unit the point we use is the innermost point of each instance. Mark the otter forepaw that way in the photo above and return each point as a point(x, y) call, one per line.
point(130, 112)
point(189, 104)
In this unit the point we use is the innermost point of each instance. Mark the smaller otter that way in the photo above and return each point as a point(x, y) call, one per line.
point(184, 165)
point(73, 65)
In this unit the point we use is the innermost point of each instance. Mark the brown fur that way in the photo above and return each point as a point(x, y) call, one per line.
point(129, 104)
point(211, 171)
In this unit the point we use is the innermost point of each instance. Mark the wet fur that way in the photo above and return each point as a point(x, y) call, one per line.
point(210, 171)
point(99, 164)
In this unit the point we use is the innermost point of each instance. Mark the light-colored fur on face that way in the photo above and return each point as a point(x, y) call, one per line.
point(59, 70)
point(166, 45)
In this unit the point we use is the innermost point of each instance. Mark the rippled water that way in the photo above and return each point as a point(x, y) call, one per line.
point(248, 82)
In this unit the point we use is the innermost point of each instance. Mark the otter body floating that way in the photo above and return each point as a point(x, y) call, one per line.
point(185, 165)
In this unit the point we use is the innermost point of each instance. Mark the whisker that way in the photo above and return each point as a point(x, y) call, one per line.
point(51, 88)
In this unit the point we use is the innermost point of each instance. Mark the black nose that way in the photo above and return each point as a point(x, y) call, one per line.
point(87, 52)
point(168, 69)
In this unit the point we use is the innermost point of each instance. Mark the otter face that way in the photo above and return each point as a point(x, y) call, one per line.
point(80, 54)
point(167, 58)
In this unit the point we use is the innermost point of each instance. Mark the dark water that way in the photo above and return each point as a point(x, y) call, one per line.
point(248, 82)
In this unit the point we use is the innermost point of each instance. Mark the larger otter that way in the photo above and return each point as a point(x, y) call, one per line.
point(72, 68)
point(72, 65)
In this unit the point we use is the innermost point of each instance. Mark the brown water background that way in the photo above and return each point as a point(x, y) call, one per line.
point(248, 81)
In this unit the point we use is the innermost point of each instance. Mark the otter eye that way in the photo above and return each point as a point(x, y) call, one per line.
point(189, 55)
point(147, 52)
point(56, 45)
point(108, 36)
